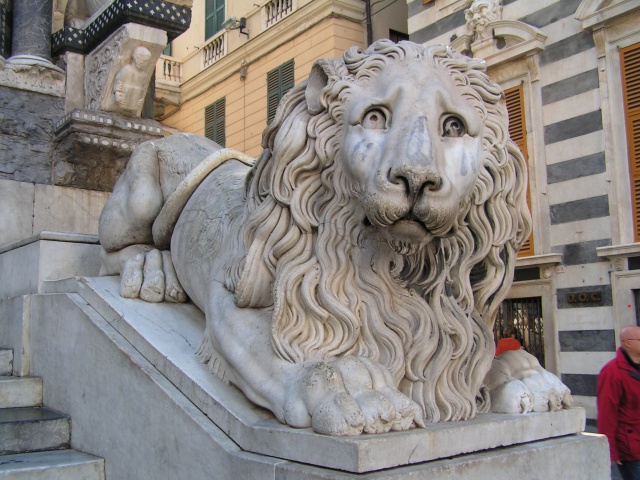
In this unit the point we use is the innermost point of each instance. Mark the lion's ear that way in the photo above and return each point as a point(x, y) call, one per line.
point(318, 79)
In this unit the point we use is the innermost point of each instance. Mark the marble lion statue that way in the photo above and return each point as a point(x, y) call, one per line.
point(350, 276)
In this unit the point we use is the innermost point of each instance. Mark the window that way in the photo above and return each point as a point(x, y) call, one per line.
point(214, 17)
point(214, 122)
point(168, 49)
point(518, 133)
point(279, 82)
point(396, 36)
point(630, 67)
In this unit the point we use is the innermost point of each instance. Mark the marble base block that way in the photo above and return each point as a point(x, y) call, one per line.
point(167, 335)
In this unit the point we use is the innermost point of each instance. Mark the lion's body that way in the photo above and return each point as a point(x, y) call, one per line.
point(376, 234)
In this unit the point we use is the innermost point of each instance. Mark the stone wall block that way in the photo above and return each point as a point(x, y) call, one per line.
point(27, 122)
point(67, 209)
point(16, 216)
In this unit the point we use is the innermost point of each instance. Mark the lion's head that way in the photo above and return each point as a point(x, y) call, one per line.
point(386, 212)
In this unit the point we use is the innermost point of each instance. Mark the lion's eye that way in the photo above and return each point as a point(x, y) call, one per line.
point(453, 127)
point(374, 119)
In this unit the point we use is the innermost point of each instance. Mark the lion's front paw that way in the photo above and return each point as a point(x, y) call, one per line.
point(150, 276)
point(349, 396)
point(518, 384)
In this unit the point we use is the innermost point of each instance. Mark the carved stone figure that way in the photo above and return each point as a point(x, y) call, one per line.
point(131, 83)
point(480, 13)
point(351, 276)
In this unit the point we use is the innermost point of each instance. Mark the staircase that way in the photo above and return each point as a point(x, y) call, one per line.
point(34, 440)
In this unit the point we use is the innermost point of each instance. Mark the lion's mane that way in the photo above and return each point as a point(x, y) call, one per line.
point(334, 290)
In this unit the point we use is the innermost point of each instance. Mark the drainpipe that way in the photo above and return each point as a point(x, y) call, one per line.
point(367, 16)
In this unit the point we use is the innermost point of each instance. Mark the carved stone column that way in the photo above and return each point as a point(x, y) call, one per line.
point(31, 42)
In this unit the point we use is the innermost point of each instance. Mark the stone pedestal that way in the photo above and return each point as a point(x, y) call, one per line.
point(92, 148)
point(126, 371)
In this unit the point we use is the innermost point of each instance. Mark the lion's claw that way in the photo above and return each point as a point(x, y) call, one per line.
point(150, 276)
point(339, 415)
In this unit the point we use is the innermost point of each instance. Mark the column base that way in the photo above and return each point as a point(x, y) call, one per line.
point(33, 60)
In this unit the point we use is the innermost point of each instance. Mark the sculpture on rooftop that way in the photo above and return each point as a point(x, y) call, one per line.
point(480, 14)
point(350, 277)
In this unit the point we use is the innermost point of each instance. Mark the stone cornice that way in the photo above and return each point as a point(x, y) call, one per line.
point(595, 14)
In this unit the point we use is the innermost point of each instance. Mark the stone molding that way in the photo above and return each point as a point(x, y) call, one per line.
point(596, 14)
point(547, 260)
point(51, 236)
point(511, 39)
point(92, 147)
point(34, 77)
point(615, 252)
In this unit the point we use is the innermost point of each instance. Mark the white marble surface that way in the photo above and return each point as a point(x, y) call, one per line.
point(30, 209)
point(65, 209)
point(16, 216)
point(25, 266)
point(167, 336)
point(15, 315)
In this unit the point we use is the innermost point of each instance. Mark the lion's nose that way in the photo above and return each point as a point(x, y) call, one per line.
point(415, 180)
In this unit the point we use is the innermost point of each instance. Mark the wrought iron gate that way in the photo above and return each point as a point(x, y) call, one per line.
point(524, 315)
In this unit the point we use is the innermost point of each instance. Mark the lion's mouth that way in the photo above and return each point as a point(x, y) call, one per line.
point(406, 235)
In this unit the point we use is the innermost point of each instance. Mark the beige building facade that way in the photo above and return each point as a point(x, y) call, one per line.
point(232, 66)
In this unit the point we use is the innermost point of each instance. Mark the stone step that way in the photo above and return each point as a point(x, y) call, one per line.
point(52, 465)
point(20, 392)
point(33, 429)
point(6, 361)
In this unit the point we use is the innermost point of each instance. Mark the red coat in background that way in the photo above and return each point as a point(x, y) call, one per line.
point(506, 344)
point(619, 408)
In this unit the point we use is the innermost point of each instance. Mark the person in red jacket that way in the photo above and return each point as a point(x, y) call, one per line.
point(619, 404)
point(508, 342)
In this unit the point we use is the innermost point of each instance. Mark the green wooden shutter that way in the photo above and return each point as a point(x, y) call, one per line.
point(279, 81)
point(214, 122)
point(214, 17)
point(630, 66)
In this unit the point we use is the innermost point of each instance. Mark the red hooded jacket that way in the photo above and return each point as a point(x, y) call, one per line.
point(619, 408)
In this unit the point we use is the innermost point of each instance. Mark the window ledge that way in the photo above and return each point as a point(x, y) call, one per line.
point(619, 251)
point(547, 260)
